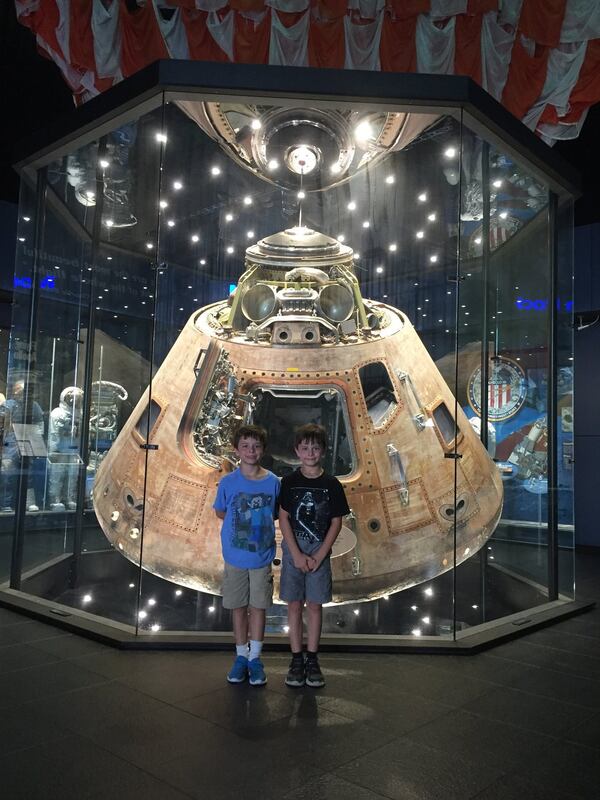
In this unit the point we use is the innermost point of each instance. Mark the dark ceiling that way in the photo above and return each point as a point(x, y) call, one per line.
point(34, 92)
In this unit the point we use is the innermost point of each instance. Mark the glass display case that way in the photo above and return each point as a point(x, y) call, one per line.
point(396, 266)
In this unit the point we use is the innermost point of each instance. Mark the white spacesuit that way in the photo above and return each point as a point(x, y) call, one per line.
point(63, 449)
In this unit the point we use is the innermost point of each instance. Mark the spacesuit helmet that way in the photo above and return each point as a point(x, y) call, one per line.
point(71, 397)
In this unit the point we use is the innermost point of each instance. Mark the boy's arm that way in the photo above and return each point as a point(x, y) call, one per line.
point(335, 526)
point(220, 514)
point(300, 559)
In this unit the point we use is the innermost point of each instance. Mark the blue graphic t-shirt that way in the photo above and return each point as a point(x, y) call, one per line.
point(248, 531)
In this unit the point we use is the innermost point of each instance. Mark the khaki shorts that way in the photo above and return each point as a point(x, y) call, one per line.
point(247, 587)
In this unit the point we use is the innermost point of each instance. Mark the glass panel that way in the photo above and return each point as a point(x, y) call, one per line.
point(258, 319)
point(504, 319)
point(68, 403)
point(565, 421)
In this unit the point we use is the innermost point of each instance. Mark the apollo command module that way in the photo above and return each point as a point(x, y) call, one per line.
point(295, 343)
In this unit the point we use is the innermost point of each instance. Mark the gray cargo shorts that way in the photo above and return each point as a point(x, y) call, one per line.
point(247, 587)
point(315, 587)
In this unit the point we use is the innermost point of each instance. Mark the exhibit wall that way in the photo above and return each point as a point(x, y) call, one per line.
point(395, 274)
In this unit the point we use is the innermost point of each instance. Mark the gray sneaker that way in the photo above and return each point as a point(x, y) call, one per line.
point(314, 676)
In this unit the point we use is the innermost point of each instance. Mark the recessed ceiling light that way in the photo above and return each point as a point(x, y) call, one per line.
point(450, 152)
point(390, 179)
point(255, 125)
point(161, 137)
point(422, 198)
point(215, 171)
point(431, 217)
point(247, 200)
point(177, 185)
point(228, 217)
point(195, 238)
point(351, 206)
point(366, 223)
point(393, 247)
point(171, 223)
point(420, 234)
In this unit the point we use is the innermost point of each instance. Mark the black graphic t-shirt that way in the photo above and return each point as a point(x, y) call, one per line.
point(311, 504)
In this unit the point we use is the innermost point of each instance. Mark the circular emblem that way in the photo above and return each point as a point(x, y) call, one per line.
point(507, 389)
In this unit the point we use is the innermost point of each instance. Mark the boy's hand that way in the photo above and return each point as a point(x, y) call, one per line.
point(302, 562)
point(317, 559)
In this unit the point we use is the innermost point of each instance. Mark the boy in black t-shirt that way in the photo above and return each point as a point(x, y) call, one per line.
point(311, 507)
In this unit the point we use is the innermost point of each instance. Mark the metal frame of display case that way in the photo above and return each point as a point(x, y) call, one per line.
point(164, 80)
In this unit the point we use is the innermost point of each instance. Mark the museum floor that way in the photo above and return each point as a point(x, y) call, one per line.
point(82, 720)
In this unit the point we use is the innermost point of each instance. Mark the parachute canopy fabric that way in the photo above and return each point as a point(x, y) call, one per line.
point(540, 58)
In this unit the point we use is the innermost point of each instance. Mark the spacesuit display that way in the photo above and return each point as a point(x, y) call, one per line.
point(63, 450)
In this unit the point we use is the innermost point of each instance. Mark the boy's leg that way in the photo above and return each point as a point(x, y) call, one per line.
point(235, 597)
point(240, 626)
point(261, 597)
point(295, 625)
point(314, 623)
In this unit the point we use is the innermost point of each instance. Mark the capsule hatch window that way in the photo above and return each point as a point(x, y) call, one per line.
point(379, 393)
point(281, 410)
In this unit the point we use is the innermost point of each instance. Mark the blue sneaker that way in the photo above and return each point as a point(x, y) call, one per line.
point(257, 672)
point(239, 670)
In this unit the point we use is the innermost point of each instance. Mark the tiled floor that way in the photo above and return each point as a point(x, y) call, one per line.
point(81, 720)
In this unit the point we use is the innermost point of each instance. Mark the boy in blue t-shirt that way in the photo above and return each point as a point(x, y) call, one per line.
point(246, 501)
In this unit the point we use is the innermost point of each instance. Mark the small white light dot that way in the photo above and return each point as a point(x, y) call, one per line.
point(215, 171)
point(230, 250)
point(178, 592)
point(28, 219)
point(420, 234)
point(195, 238)
point(426, 620)
point(143, 614)
point(433, 259)
point(393, 247)
point(301, 195)
point(335, 168)
point(356, 256)
point(87, 598)
point(428, 591)
point(475, 606)
point(477, 240)
point(273, 164)
point(422, 198)
point(211, 609)
point(104, 163)
point(228, 217)
point(155, 627)
point(132, 585)
point(356, 612)
point(161, 137)
point(286, 628)
point(255, 125)
point(171, 223)
point(450, 152)
point(163, 204)
point(109, 223)
point(247, 200)
point(366, 224)
point(177, 185)
point(416, 631)
point(413, 608)
point(202, 262)
point(379, 270)
point(351, 206)
point(21, 238)
point(151, 601)
point(503, 214)
point(497, 184)
point(390, 179)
